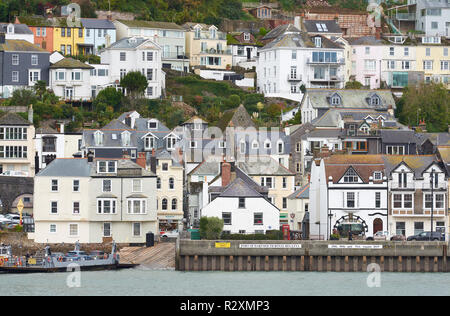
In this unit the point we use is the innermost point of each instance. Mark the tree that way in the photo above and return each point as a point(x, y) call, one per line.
point(108, 96)
point(211, 227)
point(23, 97)
point(428, 102)
point(135, 84)
point(297, 118)
point(40, 88)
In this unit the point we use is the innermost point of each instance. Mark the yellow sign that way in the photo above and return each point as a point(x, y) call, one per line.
point(32, 261)
point(223, 245)
point(20, 208)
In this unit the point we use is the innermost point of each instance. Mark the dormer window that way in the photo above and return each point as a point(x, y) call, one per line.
point(351, 176)
point(280, 146)
point(10, 29)
point(106, 166)
point(98, 138)
point(247, 37)
point(335, 99)
point(377, 175)
point(212, 32)
point(150, 142)
point(171, 141)
point(374, 100)
point(197, 32)
point(152, 125)
point(267, 144)
point(126, 139)
point(318, 41)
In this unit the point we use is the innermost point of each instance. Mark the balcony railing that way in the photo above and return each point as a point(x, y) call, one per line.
point(328, 78)
point(405, 16)
point(213, 51)
point(173, 55)
point(219, 36)
point(339, 61)
point(292, 77)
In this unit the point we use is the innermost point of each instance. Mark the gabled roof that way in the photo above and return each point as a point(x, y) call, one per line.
point(13, 119)
point(18, 28)
point(97, 23)
point(116, 125)
point(302, 193)
point(70, 63)
point(279, 30)
point(239, 188)
point(417, 163)
point(238, 117)
point(399, 137)
point(131, 43)
point(67, 167)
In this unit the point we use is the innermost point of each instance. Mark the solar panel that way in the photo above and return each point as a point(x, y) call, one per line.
point(319, 27)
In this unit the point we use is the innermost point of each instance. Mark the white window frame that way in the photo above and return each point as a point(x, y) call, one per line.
point(142, 206)
point(70, 230)
point(112, 206)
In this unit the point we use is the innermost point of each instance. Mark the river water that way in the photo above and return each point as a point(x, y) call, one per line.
point(140, 281)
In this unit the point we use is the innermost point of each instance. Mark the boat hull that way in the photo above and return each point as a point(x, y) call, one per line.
point(5, 269)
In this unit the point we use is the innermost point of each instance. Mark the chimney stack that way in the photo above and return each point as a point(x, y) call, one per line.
point(90, 156)
point(153, 162)
point(226, 173)
point(141, 161)
point(2, 38)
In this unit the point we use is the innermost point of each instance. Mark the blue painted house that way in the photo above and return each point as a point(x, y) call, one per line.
point(22, 64)
point(98, 33)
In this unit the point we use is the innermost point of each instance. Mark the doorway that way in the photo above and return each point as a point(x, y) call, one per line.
point(377, 225)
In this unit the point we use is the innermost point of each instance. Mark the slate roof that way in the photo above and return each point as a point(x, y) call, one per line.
point(97, 23)
point(365, 40)
point(13, 119)
point(67, 167)
point(399, 137)
point(239, 188)
point(299, 39)
point(238, 117)
point(122, 165)
point(325, 133)
point(351, 98)
point(261, 137)
point(279, 30)
point(126, 43)
point(331, 26)
point(152, 24)
point(263, 165)
point(20, 46)
point(302, 193)
point(438, 139)
point(333, 117)
point(207, 168)
point(70, 63)
point(18, 28)
point(418, 163)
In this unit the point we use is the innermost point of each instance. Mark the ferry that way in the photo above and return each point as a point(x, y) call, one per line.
point(75, 260)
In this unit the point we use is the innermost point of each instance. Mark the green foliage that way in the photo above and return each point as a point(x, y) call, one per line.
point(429, 102)
point(135, 82)
point(353, 85)
point(23, 97)
point(211, 227)
point(297, 118)
point(108, 97)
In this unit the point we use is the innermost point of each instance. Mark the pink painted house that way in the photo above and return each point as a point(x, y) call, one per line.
point(367, 56)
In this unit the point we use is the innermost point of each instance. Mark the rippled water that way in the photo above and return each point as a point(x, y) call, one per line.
point(140, 281)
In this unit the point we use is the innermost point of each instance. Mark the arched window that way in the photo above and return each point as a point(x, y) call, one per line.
point(174, 204)
point(171, 183)
point(164, 204)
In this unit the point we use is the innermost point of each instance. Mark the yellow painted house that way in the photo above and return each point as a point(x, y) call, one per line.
point(434, 61)
point(67, 40)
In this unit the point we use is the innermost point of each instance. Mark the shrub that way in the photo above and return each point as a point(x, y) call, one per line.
point(211, 227)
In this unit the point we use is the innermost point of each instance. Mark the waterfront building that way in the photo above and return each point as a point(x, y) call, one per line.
point(298, 206)
point(17, 145)
point(207, 46)
point(54, 142)
point(348, 192)
point(410, 194)
point(17, 32)
point(23, 64)
point(241, 203)
point(93, 201)
point(98, 34)
point(70, 79)
point(295, 59)
point(269, 173)
point(136, 54)
point(170, 36)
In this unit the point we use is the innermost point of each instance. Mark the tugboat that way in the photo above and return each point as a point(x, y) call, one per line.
point(74, 260)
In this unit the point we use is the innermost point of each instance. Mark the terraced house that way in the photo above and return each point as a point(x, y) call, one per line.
point(170, 36)
point(22, 64)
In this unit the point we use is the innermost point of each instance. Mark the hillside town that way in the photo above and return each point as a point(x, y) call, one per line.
point(336, 127)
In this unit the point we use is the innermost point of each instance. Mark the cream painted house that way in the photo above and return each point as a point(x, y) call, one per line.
point(298, 203)
point(277, 179)
point(207, 46)
point(92, 201)
point(17, 144)
point(169, 192)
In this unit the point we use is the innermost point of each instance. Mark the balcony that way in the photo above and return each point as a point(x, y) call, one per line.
point(292, 77)
point(405, 16)
point(213, 51)
point(328, 78)
point(339, 61)
point(396, 186)
point(418, 212)
point(174, 55)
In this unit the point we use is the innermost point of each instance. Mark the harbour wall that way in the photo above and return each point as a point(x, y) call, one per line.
point(338, 256)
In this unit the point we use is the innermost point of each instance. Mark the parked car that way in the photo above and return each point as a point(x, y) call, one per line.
point(385, 235)
point(169, 234)
point(427, 236)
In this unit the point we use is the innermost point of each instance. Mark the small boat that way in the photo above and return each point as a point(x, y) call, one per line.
point(75, 260)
